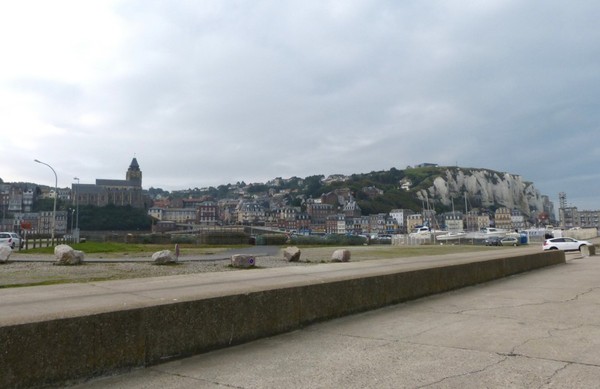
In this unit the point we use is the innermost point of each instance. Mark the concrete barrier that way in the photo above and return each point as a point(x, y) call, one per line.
point(63, 350)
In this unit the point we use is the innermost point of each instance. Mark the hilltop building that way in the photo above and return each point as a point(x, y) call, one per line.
point(112, 191)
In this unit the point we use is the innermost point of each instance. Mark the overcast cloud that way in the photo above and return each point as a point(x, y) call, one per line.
point(205, 93)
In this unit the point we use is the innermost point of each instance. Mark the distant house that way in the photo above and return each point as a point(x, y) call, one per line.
point(400, 215)
point(193, 203)
point(372, 191)
point(227, 210)
point(318, 214)
point(250, 213)
point(335, 178)
point(413, 220)
point(351, 209)
point(518, 220)
point(378, 223)
point(330, 198)
point(503, 218)
point(207, 213)
point(45, 222)
point(405, 184)
point(453, 221)
point(335, 224)
point(176, 215)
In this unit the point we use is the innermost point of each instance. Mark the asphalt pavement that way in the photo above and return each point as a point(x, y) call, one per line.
point(539, 329)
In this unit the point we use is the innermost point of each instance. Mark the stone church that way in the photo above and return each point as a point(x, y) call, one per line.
point(112, 191)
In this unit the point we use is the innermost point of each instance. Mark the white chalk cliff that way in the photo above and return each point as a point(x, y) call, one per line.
point(483, 188)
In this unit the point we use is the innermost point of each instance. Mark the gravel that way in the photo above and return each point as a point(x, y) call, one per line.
point(28, 269)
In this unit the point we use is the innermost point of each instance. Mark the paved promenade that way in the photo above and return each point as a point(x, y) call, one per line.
point(539, 329)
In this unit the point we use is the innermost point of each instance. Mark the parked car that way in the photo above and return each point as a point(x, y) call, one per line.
point(510, 241)
point(11, 239)
point(492, 241)
point(17, 239)
point(565, 244)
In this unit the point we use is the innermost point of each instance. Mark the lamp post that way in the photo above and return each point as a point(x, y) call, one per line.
point(76, 235)
point(72, 214)
point(55, 196)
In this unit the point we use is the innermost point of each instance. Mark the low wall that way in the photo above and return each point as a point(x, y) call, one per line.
point(581, 234)
point(60, 351)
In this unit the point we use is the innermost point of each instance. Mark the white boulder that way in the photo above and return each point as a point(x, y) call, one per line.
point(5, 252)
point(243, 261)
point(341, 255)
point(292, 254)
point(65, 255)
point(164, 257)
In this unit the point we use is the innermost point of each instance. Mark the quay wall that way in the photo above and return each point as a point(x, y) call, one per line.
point(65, 350)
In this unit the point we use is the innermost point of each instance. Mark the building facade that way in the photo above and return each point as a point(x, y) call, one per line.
point(112, 191)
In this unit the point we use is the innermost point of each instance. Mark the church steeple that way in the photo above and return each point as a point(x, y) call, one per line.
point(134, 174)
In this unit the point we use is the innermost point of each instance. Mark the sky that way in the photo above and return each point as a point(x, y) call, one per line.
point(206, 93)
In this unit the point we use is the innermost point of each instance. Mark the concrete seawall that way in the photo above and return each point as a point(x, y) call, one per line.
point(56, 334)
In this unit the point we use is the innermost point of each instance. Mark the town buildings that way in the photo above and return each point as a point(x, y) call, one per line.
point(17, 201)
point(335, 212)
point(332, 213)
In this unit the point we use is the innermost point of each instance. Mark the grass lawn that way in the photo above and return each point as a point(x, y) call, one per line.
point(130, 249)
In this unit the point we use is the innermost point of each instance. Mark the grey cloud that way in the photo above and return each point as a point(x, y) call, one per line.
point(215, 92)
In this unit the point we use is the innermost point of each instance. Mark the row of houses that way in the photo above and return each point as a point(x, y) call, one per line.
point(322, 216)
point(38, 223)
point(17, 200)
point(571, 217)
point(19, 197)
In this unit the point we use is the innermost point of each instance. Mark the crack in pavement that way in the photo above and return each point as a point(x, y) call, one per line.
point(590, 290)
point(468, 373)
point(199, 380)
point(556, 372)
point(508, 305)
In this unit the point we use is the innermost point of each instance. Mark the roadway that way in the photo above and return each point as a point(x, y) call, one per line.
point(538, 329)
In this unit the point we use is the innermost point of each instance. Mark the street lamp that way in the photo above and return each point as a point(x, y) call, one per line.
point(55, 196)
point(76, 236)
point(72, 212)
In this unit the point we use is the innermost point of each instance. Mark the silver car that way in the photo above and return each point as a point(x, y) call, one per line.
point(510, 241)
point(565, 244)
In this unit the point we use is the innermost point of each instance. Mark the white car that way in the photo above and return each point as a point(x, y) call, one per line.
point(565, 244)
point(11, 239)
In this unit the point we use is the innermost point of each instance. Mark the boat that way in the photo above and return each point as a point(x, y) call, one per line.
point(487, 232)
point(420, 231)
point(424, 232)
point(451, 235)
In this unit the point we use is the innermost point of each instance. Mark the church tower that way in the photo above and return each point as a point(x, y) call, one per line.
point(134, 174)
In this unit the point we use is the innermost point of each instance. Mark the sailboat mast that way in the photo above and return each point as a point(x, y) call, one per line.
point(467, 213)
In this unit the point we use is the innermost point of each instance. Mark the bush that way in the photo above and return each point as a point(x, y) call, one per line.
point(181, 238)
point(151, 239)
point(217, 238)
point(271, 239)
point(346, 240)
point(306, 240)
point(329, 240)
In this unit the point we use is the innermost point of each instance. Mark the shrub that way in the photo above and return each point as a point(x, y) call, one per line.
point(217, 238)
point(329, 240)
point(181, 238)
point(271, 239)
